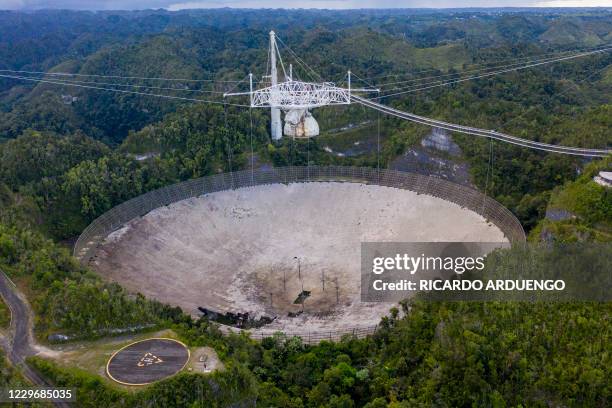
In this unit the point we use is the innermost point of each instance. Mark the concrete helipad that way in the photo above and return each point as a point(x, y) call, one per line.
point(147, 361)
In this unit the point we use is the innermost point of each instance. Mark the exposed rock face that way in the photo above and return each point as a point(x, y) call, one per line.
point(426, 159)
point(300, 123)
point(558, 214)
point(604, 178)
point(440, 139)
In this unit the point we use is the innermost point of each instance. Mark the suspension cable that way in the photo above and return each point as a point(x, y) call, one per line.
point(114, 76)
point(236, 84)
point(378, 146)
point(362, 80)
point(124, 91)
point(280, 58)
point(493, 73)
point(299, 60)
point(251, 137)
point(482, 132)
point(72, 81)
point(386, 84)
point(516, 118)
point(308, 158)
point(229, 145)
point(305, 67)
point(487, 177)
point(495, 61)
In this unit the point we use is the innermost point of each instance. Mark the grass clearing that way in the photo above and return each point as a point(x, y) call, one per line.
point(92, 356)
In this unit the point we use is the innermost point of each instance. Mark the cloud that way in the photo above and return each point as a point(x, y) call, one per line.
point(12, 4)
point(82, 4)
point(348, 4)
point(574, 3)
point(330, 4)
point(197, 5)
point(260, 4)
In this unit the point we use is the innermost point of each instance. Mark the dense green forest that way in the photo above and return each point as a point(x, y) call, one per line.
point(441, 354)
point(69, 154)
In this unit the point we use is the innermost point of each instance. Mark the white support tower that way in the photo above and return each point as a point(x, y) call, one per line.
point(276, 130)
point(294, 97)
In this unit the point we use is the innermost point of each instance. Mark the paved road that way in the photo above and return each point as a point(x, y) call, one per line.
point(20, 343)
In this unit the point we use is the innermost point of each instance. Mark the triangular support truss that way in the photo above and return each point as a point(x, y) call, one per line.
point(299, 95)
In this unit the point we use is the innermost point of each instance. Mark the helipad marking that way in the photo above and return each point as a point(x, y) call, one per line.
point(149, 359)
point(141, 341)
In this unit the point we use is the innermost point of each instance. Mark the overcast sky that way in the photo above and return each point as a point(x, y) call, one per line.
point(331, 4)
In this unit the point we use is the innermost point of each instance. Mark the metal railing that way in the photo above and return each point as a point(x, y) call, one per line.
point(95, 234)
point(308, 337)
point(101, 227)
